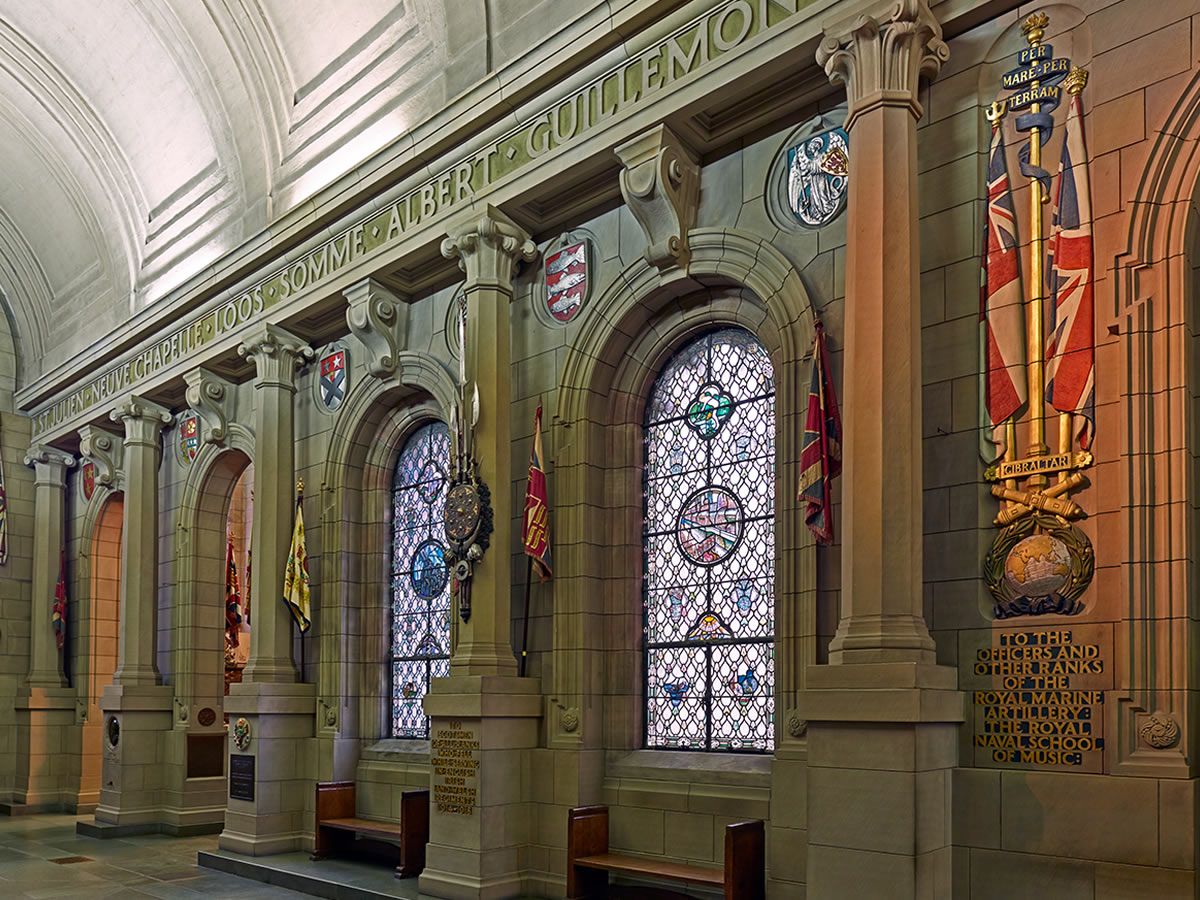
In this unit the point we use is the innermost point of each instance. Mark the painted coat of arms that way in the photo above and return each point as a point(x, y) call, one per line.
point(88, 473)
point(818, 169)
point(333, 382)
point(189, 438)
point(567, 278)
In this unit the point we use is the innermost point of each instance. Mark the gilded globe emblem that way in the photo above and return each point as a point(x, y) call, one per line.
point(1038, 566)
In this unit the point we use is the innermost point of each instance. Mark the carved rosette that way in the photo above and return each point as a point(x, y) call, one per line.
point(660, 182)
point(1160, 731)
point(212, 397)
point(569, 719)
point(277, 355)
point(376, 317)
point(797, 727)
point(105, 451)
point(881, 59)
point(143, 421)
point(488, 249)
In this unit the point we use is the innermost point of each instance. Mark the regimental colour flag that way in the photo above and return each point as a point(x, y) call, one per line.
point(1002, 382)
point(296, 593)
point(3, 516)
point(233, 598)
point(58, 612)
point(1071, 335)
point(537, 505)
point(821, 450)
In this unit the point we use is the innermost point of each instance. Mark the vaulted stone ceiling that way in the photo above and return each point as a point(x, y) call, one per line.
point(141, 139)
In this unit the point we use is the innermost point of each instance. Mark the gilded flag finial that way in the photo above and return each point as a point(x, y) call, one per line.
point(1076, 80)
point(1034, 27)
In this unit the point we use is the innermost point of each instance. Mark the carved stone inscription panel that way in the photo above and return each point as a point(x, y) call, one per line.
point(454, 758)
point(1037, 695)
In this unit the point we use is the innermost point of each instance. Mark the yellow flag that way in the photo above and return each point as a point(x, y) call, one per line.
point(295, 577)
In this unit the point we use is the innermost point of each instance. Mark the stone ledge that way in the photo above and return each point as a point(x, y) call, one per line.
point(694, 768)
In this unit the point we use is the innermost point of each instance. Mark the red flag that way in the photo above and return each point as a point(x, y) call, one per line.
point(1002, 383)
point(537, 505)
point(58, 612)
point(233, 599)
point(821, 449)
point(1071, 350)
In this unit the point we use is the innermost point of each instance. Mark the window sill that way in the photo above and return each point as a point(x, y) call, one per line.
point(684, 766)
point(397, 750)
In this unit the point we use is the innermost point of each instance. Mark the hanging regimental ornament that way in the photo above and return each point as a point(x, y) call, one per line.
point(567, 277)
point(1039, 563)
point(189, 437)
point(468, 520)
point(333, 376)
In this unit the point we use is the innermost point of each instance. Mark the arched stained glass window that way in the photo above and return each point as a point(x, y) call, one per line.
point(709, 548)
point(420, 579)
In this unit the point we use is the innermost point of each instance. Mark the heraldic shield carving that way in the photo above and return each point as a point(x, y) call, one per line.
point(818, 168)
point(189, 437)
point(567, 277)
point(333, 376)
point(1040, 562)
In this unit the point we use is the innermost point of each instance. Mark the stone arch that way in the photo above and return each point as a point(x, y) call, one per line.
point(355, 515)
point(1155, 314)
point(95, 631)
point(199, 615)
point(643, 317)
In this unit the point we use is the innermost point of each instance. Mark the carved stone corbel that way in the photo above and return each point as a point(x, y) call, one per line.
point(661, 184)
point(377, 318)
point(104, 450)
point(212, 397)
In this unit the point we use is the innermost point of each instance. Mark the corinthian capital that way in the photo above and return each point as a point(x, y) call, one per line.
point(277, 356)
point(488, 248)
point(105, 451)
point(143, 420)
point(880, 56)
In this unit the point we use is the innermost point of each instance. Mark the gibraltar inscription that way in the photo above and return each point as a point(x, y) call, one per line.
point(454, 757)
point(1038, 696)
point(686, 52)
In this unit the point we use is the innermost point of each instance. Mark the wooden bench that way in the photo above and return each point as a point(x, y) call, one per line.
point(589, 862)
point(339, 830)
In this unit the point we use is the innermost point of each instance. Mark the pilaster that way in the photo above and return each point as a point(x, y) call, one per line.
point(49, 504)
point(277, 356)
point(882, 716)
point(143, 422)
point(489, 247)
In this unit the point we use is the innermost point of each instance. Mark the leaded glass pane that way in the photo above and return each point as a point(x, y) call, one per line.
point(419, 576)
point(709, 548)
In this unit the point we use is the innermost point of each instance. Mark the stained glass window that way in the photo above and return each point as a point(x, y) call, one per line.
point(709, 548)
point(420, 579)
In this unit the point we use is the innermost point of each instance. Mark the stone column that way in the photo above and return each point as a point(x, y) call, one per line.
point(483, 718)
point(279, 711)
point(882, 738)
point(133, 766)
point(45, 706)
point(488, 248)
point(144, 422)
point(277, 356)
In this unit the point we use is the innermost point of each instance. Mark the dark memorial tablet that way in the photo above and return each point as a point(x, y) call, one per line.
point(241, 776)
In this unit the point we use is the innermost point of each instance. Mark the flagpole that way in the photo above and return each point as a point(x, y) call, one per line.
point(525, 617)
point(1034, 29)
point(295, 622)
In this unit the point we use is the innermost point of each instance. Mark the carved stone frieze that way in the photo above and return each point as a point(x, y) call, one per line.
point(881, 58)
point(106, 452)
point(377, 318)
point(212, 397)
point(660, 182)
point(277, 355)
point(488, 247)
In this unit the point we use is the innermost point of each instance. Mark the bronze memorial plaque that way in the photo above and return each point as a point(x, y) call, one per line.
point(1037, 695)
point(455, 761)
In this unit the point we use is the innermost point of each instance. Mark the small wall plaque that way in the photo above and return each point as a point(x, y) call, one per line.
point(241, 776)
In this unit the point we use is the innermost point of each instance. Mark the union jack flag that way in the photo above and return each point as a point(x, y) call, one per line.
point(1002, 382)
point(1071, 341)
